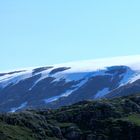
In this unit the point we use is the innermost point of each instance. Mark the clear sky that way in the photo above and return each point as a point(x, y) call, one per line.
point(41, 32)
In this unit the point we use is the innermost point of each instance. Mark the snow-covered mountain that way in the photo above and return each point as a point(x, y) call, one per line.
point(64, 84)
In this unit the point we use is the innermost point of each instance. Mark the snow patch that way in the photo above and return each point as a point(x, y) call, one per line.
point(101, 93)
point(69, 76)
point(126, 77)
point(67, 93)
point(55, 98)
point(91, 68)
point(44, 74)
point(135, 78)
point(14, 78)
point(94, 65)
point(79, 70)
point(17, 108)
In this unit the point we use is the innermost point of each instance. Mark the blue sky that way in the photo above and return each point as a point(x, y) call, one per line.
point(44, 32)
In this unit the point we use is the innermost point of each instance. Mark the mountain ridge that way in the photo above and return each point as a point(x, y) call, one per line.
point(65, 84)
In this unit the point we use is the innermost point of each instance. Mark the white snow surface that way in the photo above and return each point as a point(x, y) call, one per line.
point(97, 64)
point(14, 109)
point(80, 70)
point(55, 98)
point(135, 78)
point(101, 93)
point(67, 93)
point(14, 78)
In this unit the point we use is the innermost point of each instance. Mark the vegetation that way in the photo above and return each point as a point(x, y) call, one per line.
point(117, 119)
point(134, 118)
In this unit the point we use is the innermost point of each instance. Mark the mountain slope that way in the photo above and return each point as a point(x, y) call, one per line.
point(65, 84)
point(115, 119)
